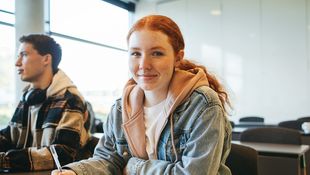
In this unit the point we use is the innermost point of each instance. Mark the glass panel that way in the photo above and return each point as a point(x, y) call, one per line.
point(100, 73)
point(93, 20)
point(6, 17)
point(7, 72)
point(7, 5)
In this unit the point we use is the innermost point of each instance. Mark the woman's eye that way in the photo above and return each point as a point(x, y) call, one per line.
point(157, 53)
point(135, 54)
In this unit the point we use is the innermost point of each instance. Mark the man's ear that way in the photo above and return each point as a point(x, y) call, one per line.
point(47, 59)
point(180, 55)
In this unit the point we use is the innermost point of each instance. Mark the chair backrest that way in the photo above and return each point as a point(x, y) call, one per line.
point(292, 124)
point(252, 119)
point(88, 150)
point(93, 124)
point(271, 135)
point(232, 124)
point(242, 160)
point(304, 119)
point(89, 124)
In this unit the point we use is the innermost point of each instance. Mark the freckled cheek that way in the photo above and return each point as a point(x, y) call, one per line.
point(168, 71)
point(132, 68)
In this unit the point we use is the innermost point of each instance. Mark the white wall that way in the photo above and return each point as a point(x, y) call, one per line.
point(259, 48)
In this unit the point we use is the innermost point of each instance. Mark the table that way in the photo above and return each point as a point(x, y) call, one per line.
point(47, 172)
point(253, 124)
point(282, 159)
point(236, 132)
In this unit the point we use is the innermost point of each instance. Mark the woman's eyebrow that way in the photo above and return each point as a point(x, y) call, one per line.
point(157, 47)
point(134, 48)
point(152, 48)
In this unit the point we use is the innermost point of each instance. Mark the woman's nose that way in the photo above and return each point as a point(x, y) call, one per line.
point(145, 63)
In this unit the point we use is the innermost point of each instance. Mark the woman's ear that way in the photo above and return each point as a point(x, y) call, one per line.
point(180, 55)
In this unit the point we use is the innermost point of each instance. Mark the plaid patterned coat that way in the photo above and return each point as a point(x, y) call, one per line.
point(60, 120)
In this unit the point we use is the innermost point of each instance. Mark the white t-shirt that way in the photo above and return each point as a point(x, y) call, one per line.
point(151, 117)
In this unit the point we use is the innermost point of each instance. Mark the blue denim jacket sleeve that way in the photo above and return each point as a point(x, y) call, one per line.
point(110, 155)
point(205, 148)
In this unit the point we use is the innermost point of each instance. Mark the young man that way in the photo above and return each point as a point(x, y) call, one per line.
point(51, 111)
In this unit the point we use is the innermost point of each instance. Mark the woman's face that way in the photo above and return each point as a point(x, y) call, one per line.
point(151, 60)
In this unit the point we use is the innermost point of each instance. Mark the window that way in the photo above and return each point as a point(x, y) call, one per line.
point(99, 72)
point(92, 34)
point(93, 20)
point(7, 10)
point(7, 68)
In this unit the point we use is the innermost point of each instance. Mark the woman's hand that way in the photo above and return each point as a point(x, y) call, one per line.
point(64, 172)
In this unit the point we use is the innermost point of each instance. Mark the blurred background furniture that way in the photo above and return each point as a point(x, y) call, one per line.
point(304, 119)
point(95, 124)
point(282, 136)
point(282, 159)
point(252, 119)
point(292, 124)
point(232, 124)
point(242, 160)
point(271, 135)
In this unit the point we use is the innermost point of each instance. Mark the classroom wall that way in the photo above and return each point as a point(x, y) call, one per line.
point(258, 48)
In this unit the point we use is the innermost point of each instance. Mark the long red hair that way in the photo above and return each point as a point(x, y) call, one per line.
point(168, 27)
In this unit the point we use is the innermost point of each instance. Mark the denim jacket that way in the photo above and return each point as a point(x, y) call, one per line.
point(202, 136)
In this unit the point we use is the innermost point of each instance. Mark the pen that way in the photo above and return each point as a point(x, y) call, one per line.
point(55, 157)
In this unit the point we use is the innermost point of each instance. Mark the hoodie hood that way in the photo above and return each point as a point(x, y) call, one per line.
point(182, 84)
point(60, 83)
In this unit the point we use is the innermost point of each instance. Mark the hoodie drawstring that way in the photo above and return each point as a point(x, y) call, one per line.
point(172, 138)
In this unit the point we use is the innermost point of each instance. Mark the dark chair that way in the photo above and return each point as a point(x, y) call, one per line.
point(292, 124)
point(232, 124)
point(242, 160)
point(92, 143)
point(252, 119)
point(94, 124)
point(88, 150)
point(99, 125)
point(304, 119)
point(271, 135)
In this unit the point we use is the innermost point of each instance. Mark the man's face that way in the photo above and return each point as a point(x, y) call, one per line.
point(30, 64)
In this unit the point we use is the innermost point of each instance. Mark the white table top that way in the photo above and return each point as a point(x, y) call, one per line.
point(283, 149)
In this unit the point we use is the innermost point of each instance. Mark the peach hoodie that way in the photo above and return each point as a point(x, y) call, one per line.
point(182, 84)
